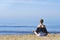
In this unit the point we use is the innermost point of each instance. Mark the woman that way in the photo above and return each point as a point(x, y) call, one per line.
point(41, 29)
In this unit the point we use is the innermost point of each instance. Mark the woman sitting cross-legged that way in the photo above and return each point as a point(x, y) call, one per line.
point(41, 29)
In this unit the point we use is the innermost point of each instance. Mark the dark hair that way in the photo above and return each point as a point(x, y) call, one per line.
point(41, 20)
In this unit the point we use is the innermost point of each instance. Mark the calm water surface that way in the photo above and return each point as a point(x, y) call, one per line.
point(26, 29)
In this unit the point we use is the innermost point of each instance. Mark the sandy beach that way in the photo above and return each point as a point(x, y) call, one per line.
point(30, 37)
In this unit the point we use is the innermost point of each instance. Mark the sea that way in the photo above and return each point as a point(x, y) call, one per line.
point(53, 29)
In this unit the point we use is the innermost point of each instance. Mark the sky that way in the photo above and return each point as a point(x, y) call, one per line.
point(29, 12)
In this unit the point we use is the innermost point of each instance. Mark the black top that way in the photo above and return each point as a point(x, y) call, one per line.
point(40, 29)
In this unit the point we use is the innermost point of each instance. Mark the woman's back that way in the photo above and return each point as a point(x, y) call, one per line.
point(41, 29)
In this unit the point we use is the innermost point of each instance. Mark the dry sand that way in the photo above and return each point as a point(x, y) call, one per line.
point(30, 37)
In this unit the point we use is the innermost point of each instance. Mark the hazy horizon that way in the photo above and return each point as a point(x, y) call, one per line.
point(29, 12)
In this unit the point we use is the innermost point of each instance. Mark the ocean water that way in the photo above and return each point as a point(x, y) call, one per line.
point(27, 29)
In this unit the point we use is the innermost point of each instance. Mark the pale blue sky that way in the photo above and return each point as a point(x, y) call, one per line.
point(29, 12)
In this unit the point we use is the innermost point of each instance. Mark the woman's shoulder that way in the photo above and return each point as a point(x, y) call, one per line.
point(43, 26)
